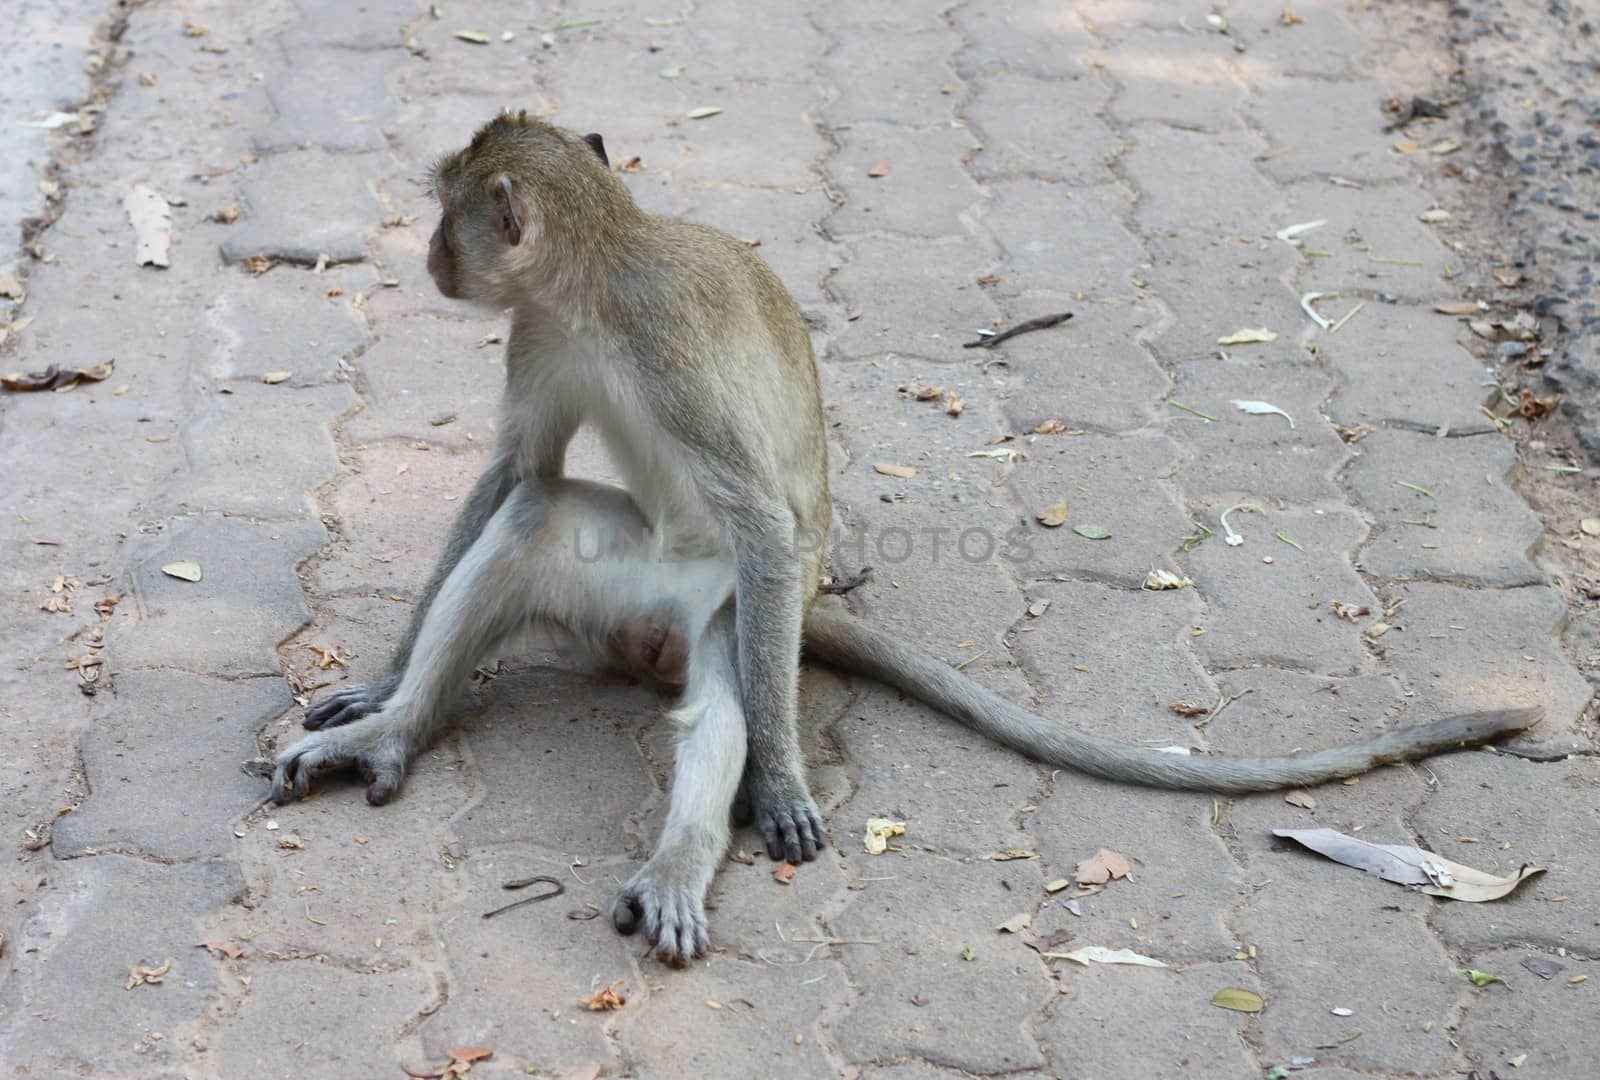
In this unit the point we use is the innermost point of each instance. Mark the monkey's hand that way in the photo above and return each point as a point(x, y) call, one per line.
point(351, 703)
point(782, 809)
point(672, 912)
point(370, 745)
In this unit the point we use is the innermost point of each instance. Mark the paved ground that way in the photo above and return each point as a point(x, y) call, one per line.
point(1103, 157)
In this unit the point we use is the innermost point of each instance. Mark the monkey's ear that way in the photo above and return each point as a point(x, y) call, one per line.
point(598, 145)
point(513, 212)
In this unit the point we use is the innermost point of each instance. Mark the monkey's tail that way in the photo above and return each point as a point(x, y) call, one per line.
point(835, 637)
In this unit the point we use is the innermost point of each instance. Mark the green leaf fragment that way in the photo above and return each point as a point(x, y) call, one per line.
point(1092, 532)
point(1479, 978)
point(703, 111)
point(1232, 997)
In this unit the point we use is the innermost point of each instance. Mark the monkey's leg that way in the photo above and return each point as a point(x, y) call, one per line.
point(353, 702)
point(486, 595)
point(667, 895)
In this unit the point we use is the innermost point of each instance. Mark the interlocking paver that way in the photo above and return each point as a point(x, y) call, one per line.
point(1135, 165)
point(1442, 533)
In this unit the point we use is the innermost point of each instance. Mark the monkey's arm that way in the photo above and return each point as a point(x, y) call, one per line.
point(354, 702)
point(835, 637)
point(769, 612)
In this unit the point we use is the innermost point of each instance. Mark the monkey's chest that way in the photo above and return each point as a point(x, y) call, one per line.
point(660, 482)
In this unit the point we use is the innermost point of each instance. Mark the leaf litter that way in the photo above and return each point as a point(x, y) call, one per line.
point(879, 830)
point(1103, 866)
point(1099, 954)
point(1262, 408)
point(1407, 865)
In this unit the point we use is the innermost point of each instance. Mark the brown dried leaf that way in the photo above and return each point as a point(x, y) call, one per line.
point(11, 287)
point(605, 1000)
point(468, 1054)
point(1050, 427)
point(904, 472)
point(1053, 516)
point(878, 171)
point(227, 215)
point(1189, 708)
point(56, 378)
point(1301, 799)
point(783, 873)
point(273, 378)
point(1349, 612)
point(1059, 936)
point(1289, 18)
point(953, 405)
point(989, 279)
point(1101, 867)
point(141, 974)
point(1456, 307)
point(1013, 854)
point(927, 393)
point(1016, 924)
point(259, 264)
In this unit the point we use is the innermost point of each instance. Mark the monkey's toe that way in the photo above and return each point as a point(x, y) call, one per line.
point(673, 919)
point(793, 833)
point(344, 707)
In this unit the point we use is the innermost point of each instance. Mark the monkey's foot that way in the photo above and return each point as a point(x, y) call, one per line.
point(367, 744)
point(673, 915)
point(350, 704)
point(789, 821)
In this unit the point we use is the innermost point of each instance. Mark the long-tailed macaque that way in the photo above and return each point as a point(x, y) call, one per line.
point(686, 353)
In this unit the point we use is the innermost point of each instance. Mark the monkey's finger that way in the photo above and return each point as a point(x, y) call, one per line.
point(350, 711)
point(386, 781)
point(317, 715)
point(280, 785)
point(625, 913)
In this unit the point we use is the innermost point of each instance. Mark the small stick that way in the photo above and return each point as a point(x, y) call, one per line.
point(1347, 317)
point(524, 883)
point(1041, 322)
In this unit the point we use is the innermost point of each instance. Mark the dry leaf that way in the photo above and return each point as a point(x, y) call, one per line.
point(259, 264)
point(471, 37)
point(1301, 799)
point(1263, 408)
point(1101, 867)
point(1456, 307)
point(227, 215)
point(1436, 875)
point(11, 287)
point(291, 841)
point(879, 830)
point(1050, 427)
point(605, 1000)
point(141, 974)
point(56, 378)
point(783, 873)
point(1231, 997)
point(1249, 336)
point(1156, 580)
point(1053, 516)
point(468, 1054)
point(1349, 612)
point(703, 111)
point(1013, 854)
point(1099, 954)
point(881, 169)
point(272, 378)
point(1590, 526)
point(152, 225)
point(1189, 708)
point(1016, 924)
point(904, 472)
point(183, 569)
point(953, 405)
point(1289, 18)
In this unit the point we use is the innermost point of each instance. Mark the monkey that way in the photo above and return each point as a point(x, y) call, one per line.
point(683, 349)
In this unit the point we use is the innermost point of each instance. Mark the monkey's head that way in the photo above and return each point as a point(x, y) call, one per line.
point(525, 204)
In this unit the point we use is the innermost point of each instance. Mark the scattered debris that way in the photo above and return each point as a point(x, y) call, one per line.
point(1053, 516)
point(879, 830)
point(1479, 978)
point(1407, 111)
point(1099, 954)
point(989, 339)
point(142, 974)
point(1262, 408)
point(783, 873)
point(1433, 874)
point(1301, 799)
point(56, 378)
point(1092, 532)
point(1050, 427)
point(878, 170)
point(1156, 580)
point(1229, 537)
point(703, 112)
point(522, 883)
point(1307, 299)
point(1291, 234)
point(1232, 997)
point(1196, 412)
point(605, 1000)
point(1103, 866)
point(1014, 854)
point(183, 569)
point(904, 472)
point(1188, 708)
point(273, 378)
point(1349, 612)
point(1016, 924)
point(1249, 336)
point(151, 218)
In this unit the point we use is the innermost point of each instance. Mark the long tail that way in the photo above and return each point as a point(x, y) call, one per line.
point(837, 638)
